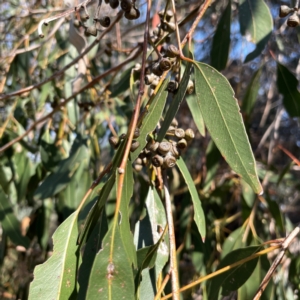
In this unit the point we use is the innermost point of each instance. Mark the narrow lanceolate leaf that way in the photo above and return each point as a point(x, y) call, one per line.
point(175, 104)
point(255, 19)
point(153, 114)
point(61, 176)
point(195, 110)
point(9, 222)
point(153, 251)
point(221, 41)
point(251, 93)
point(235, 277)
point(125, 232)
point(223, 120)
point(199, 216)
point(287, 85)
point(57, 277)
point(111, 275)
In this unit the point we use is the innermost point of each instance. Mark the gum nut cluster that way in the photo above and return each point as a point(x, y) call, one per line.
point(128, 6)
point(292, 12)
point(165, 154)
point(116, 140)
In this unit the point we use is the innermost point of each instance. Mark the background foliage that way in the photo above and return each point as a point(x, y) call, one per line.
point(58, 111)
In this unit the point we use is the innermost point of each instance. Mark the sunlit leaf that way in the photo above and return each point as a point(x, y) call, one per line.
point(175, 104)
point(221, 40)
point(235, 277)
point(199, 216)
point(153, 114)
point(125, 232)
point(111, 274)
point(223, 120)
point(195, 110)
point(56, 278)
point(256, 20)
point(287, 85)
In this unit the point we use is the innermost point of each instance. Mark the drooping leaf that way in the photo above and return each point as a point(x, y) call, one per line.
point(122, 85)
point(58, 180)
point(248, 290)
point(251, 93)
point(199, 216)
point(153, 251)
point(233, 242)
point(287, 85)
point(111, 275)
point(195, 110)
point(223, 120)
point(221, 40)
point(23, 172)
point(125, 232)
point(248, 194)
point(152, 117)
point(276, 213)
point(91, 248)
point(235, 277)
point(94, 213)
point(213, 157)
point(70, 197)
point(255, 19)
point(57, 277)
point(9, 222)
point(174, 106)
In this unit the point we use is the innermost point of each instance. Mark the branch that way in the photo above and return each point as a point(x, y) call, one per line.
point(90, 84)
point(284, 246)
point(58, 73)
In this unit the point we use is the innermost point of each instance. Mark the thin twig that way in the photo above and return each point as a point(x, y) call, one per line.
point(173, 254)
point(60, 72)
point(284, 246)
point(202, 10)
point(162, 286)
point(90, 84)
point(58, 16)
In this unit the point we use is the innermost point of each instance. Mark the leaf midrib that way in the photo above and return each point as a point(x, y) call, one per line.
point(223, 119)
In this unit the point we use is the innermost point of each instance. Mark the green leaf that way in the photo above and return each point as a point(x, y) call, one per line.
point(94, 213)
point(111, 274)
point(195, 110)
point(125, 232)
point(223, 120)
point(23, 170)
point(248, 290)
point(152, 117)
point(57, 277)
point(248, 194)
point(287, 85)
point(233, 241)
point(251, 93)
point(213, 157)
point(235, 277)
point(175, 104)
point(221, 40)
point(255, 19)
point(9, 223)
point(61, 177)
point(153, 247)
point(70, 197)
point(276, 214)
point(199, 216)
point(91, 248)
point(122, 85)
